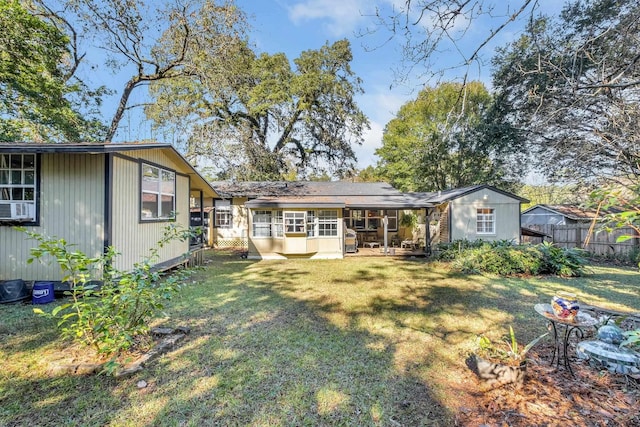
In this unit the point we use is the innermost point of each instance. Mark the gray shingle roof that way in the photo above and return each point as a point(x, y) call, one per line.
point(320, 194)
point(339, 194)
point(301, 188)
point(438, 197)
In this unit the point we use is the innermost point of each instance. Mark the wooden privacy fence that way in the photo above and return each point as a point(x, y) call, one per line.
point(600, 243)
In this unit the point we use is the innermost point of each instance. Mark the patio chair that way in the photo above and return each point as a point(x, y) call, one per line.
point(412, 243)
point(350, 241)
point(408, 243)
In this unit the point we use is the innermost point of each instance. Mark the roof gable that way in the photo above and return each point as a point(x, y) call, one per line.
point(438, 197)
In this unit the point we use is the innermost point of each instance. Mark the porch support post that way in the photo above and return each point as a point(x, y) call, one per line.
point(385, 221)
point(427, 231)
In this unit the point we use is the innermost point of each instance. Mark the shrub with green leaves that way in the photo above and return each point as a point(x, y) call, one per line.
point(566, 262)
point(109, 317)
point(502, 260)
point(451, 251)
point(506, 259)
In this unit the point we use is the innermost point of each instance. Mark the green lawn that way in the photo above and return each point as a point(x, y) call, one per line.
point(359, 341)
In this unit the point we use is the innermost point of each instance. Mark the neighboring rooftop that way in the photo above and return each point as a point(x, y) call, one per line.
point(574, 212)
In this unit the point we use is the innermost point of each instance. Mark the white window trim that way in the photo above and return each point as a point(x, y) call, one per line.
point(326, 220)
point(295, 222)
point(223, 208)
point(23, 210)
point(491, 221)
point(312, 224)
point(270, 223)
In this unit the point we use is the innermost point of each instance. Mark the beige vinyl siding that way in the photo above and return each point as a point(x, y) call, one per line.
point(506, 211)
point(71, 207)
point(130, 237)
point(239, 220)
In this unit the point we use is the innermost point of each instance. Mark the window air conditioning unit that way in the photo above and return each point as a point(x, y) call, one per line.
point(16, 210)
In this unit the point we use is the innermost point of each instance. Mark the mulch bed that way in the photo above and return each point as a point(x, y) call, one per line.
point(551, 396)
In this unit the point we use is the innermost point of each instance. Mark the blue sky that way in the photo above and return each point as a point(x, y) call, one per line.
point(292, 26)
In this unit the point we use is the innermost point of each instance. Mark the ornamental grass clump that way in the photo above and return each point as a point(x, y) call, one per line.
point(509, 352)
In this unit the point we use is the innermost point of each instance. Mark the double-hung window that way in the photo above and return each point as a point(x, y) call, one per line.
point(278, 224)
point(18, 187)
point(158, 193)
point(327, 223)
point(485, 221)
point(294, 222)
point(311, 224)
point(262, 224)
point(223, 214)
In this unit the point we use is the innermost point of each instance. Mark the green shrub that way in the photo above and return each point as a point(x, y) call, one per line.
point(109, 318)
point(564, 262)
point(451, 251)
point(500, 259)
point(506, 259)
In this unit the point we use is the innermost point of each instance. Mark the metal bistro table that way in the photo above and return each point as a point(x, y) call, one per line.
point(575, 326)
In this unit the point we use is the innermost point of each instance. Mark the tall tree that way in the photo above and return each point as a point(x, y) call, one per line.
point(438, 36)
point(448, 137)
point(35, 92)
point(149, 40)
point(256, 117)
point(573, 84)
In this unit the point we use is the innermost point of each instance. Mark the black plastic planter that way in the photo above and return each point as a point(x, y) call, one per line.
point(13, 290)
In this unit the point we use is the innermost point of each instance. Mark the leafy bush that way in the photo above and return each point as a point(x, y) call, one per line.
point(506, 259)
point(561, 261)
point(502, 260)
point(110, 317)
point(451, 251)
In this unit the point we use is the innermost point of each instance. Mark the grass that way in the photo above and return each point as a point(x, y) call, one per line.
point(359, 341)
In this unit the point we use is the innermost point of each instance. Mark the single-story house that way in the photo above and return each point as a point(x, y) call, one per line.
point(95, 196)
point(275, 220)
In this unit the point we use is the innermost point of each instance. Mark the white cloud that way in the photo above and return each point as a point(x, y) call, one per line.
point(341, 18)
point(381, 105)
